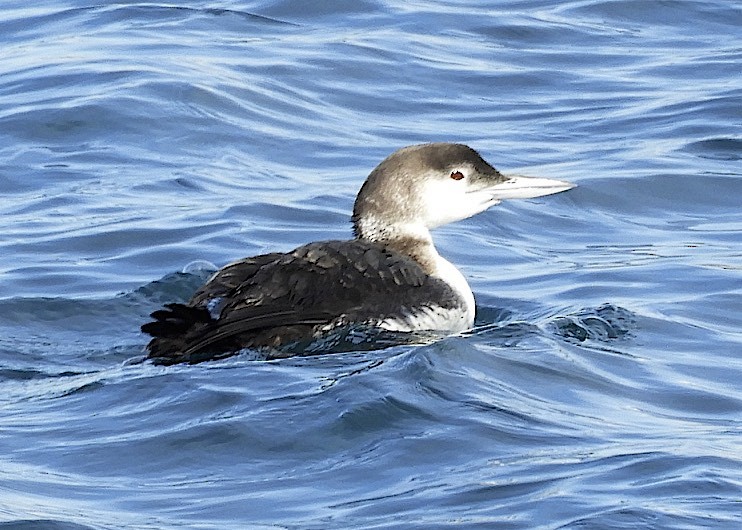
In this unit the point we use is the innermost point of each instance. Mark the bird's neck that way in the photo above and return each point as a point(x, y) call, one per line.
point(411, 239)
point(414, 240)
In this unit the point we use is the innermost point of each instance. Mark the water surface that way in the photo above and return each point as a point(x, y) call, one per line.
point(601, 386)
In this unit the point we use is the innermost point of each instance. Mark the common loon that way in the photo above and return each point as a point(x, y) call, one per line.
point(388, 277)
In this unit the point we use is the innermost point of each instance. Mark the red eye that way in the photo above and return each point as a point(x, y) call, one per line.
point(457, 175)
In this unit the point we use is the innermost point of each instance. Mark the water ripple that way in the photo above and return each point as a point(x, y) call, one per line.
point(600, 386)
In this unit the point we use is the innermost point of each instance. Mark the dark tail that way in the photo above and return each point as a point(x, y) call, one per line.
point(173, 330)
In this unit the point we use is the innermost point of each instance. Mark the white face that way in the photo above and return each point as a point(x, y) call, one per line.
point(451, 197)
point(462, 193)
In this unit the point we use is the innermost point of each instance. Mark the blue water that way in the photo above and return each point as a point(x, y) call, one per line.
point(602, 386)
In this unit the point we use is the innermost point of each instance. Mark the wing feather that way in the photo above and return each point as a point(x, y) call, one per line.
point(314, 287)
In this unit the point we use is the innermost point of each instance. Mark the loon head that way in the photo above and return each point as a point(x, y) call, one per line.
point(421, 187)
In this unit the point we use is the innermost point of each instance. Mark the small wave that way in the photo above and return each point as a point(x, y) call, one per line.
point(717, 148)
point(173, 287)
point(603, 323)
point(42, 524)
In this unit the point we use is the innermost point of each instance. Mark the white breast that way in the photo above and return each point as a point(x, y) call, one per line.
point(446, 271)
point(428, 318)
point(435, 317)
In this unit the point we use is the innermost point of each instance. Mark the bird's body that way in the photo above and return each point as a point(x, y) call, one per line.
point(389, 277)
